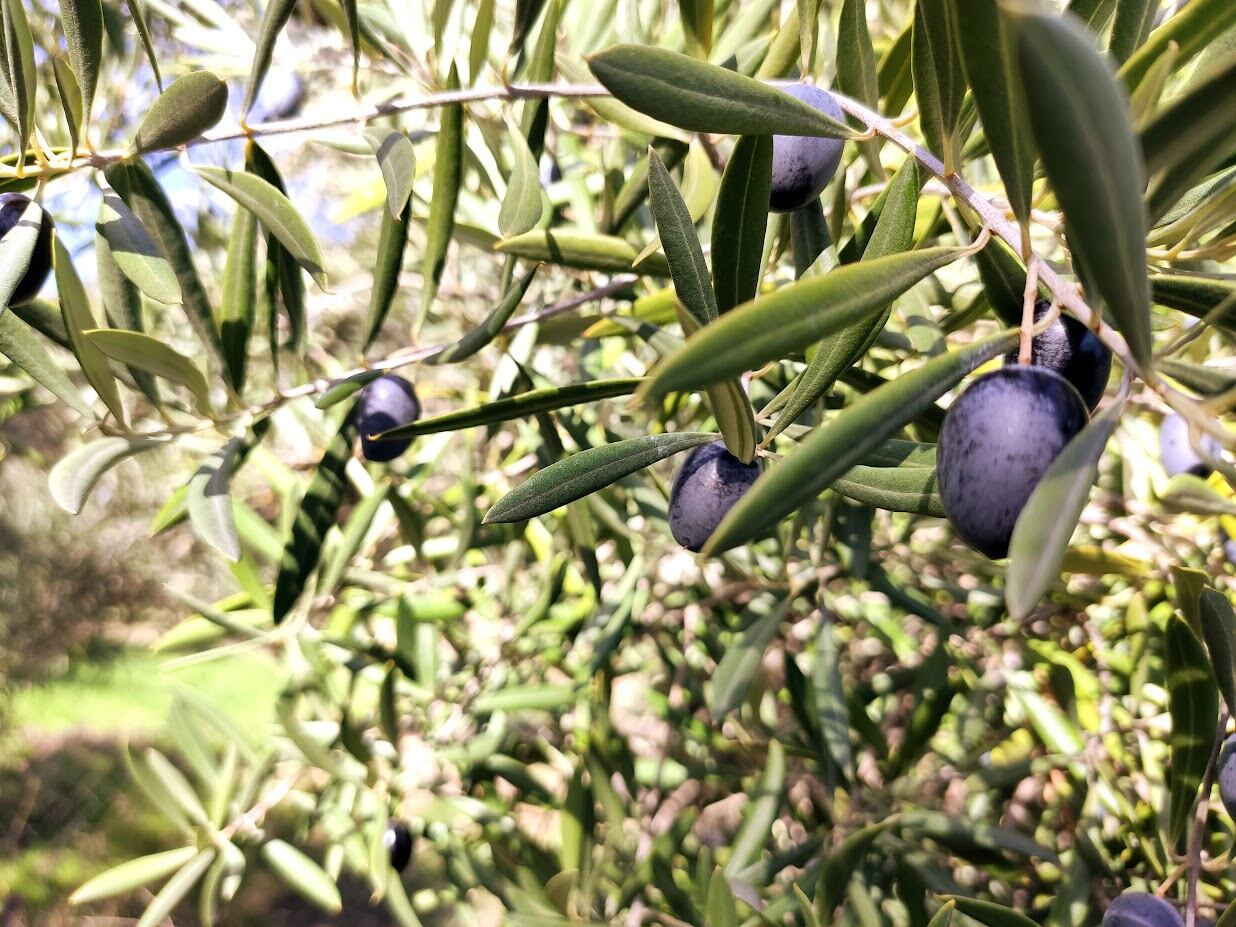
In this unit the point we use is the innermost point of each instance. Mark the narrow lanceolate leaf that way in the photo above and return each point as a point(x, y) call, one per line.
point(762, 812)
point(894, 489)
point(740, 222)
point(1193, 28)
point(697, 24)
point(210, 500)
point(447, 176)
point(1193, 702)
point(1219, 631)
point(488, 330)
point(939, 85)
point(1046, 524)
point(519, 406)
point(275, 18)
point(745, 654)
point(584, 473)
point(893, 233)
point(1194, 294)
point(350, 386)
point(1133, 22)
point(990, 913)
point(392, 240)
point(730, 405)
point(238, 300)
point(79, 318)
point(17, 251)
point(1080, 118)
point(1004, 280)
point(132, 875)
point(179, 885)
point(143, 32)
point(840, 866)
point(688, 270)
point(988, 58)
point(351, 13)
point(75, 475)
point(304, 875)
point(397, 159)
point(792, 318)
point(846, 439)
point(614, 111)
point(831, 712)
point(141, 192)
point(135, 252)
point(317, 513)
point(522, 204)
point(702, 97)
point(1189, 139)
point(83, 33)
point(20, 345)
point(583, 251)
point(17, 72)
point(154, 356)
point(856, 69)
point(122, 307)
point(186, 109)
point(70, 97)
point(276, 213)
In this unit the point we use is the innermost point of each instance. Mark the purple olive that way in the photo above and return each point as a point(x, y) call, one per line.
point(12, 206)
point(386, 403)
point(706, 487)
point(1141, 909)
point(998, 439)
point(803, 165)
point(1073, 351)
point(398, 842)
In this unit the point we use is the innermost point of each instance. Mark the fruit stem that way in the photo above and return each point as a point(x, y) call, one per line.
point(1025, 352)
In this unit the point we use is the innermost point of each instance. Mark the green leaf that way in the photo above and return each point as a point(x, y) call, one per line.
point(135, 252)
point(828, 452)
point(1046, 523)
point(523, 203)
point(521, 405)
point(1004, 280)
point(741, 221)
point(191, 105)
point(1134, 20)
point(697, 18)
point(148, 353)
point(70, 98)
point(18, 77)
point(273, 21)
point(841, 864)
point(284, 281)
point(1192, 28)
point(615, 112)
point(351, 13)
point(720, 906)
point(447, 179)
point(1203, 379)
point(1190, 138)
point(78, 319)
point(302, 874)
point(990, 913)
point(19, 344)
point(316, 514)
point(1194, 294)
point(894, 489)
point(1193, 702)
point(831, 711)
point(392, 241)
point(17, 250)
point(525, 698)
point(210, 500)
point(743, 656)
point(488, 330)
point(143, 32)
point(856, 69)
point(988, 57)
point(584, 473)
point(1188, 493)
point(939, 85)
point(893, 233)
point(238, 301)
point(344, 388)
point(944, 915)
point(762, 811)
point(83, 33)
point(1219, 631)
point(75, 475)
point(792, 318)
point(702, 97)
point(478, 49)
point(582, 251)
point(1080, 118)
point(176, 888)
point(274, 210)
point(397, 159)
point(132, 875)
point(969, 838)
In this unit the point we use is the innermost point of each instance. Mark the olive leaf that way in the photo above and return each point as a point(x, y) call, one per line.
point(856, 68)
point(1192, 29)
point(70, 98)
point(392, 241)
point(1133, 22)
point(743, 656)
point(894, 489)
point(179, 885)
point(990, 913)
point(939, 85)
point(273, 20)
point(792, 318)
point(612, 110)
point(582, 251)
point(83, 33)
point(447, 177)
point(17, 249)
point(191, 105)
point(523, 203)
point(740, 221)
point(18, 77)
point(148, 353)
point(1218, 623)
point(135, 252)
point(488, 330)
point(143, 32)
point(846, 439)
point(238, 299)
point(79, 318)
point(702, 97)
point(584, 473)
point(74, 477)
point(1079, 116)
point(132, 875)
point(210, 501)
point(302, 874)
point(397, 159)
point(1193, 703)
point(765, 804)
point(20, 345)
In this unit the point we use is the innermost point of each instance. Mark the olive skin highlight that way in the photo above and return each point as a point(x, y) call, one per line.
point(998, 439)
point(386, 403)
point(709, 483)
point(12, 206)
point(1141, 909)
point(1072, 350)
point(803, 165)
point(398, 841)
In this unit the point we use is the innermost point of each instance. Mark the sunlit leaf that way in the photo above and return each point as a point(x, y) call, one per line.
point(302, 874)
point(135, 252)
point(273, 21)
point(447, 177)
point(397, 159)
point(154, 356)
point(79, 318)
point(186, 109)
point(83, 33)
point(582, 251)
point(740, 222)
point(522, 204)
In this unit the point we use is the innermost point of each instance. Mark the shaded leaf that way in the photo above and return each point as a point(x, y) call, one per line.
point(741, 221)
point(210, 500)
point(17, 250)
point(70, 98)
point(187, 108)
point(1219, 631)
point(1193, 702)
point(78, 319)
point(1133, 22)
point(618, 113)
point(1192, 28)
point(990, 913)
point(342, 389)
point(894, 489)
point(583, 251)
point(522, 204)
point(17, 72)
point(143, 32)
point(447, 177)
point(939, 85)
point(743, 656)
point(273, 21)
point(19, 344)
point(392, 241)
point(135, 252)
point(762, 811)
point(238, 300)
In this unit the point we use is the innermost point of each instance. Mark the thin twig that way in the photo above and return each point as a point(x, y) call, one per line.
point(1199, 825)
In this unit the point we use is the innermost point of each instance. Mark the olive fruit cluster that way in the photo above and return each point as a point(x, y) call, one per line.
point(709, 483)
point(12, 207)
point(1073, 351)
point(386, 403)
point(803, 165)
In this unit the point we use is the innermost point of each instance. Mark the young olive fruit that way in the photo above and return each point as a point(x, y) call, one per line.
point(709, 483)
point(1141, 909)
point(398, 841)
point(12, 207)
point(1176, 451)
point(386, 403)
point(803, 165)
point(998, 439)
point(1072, 350)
